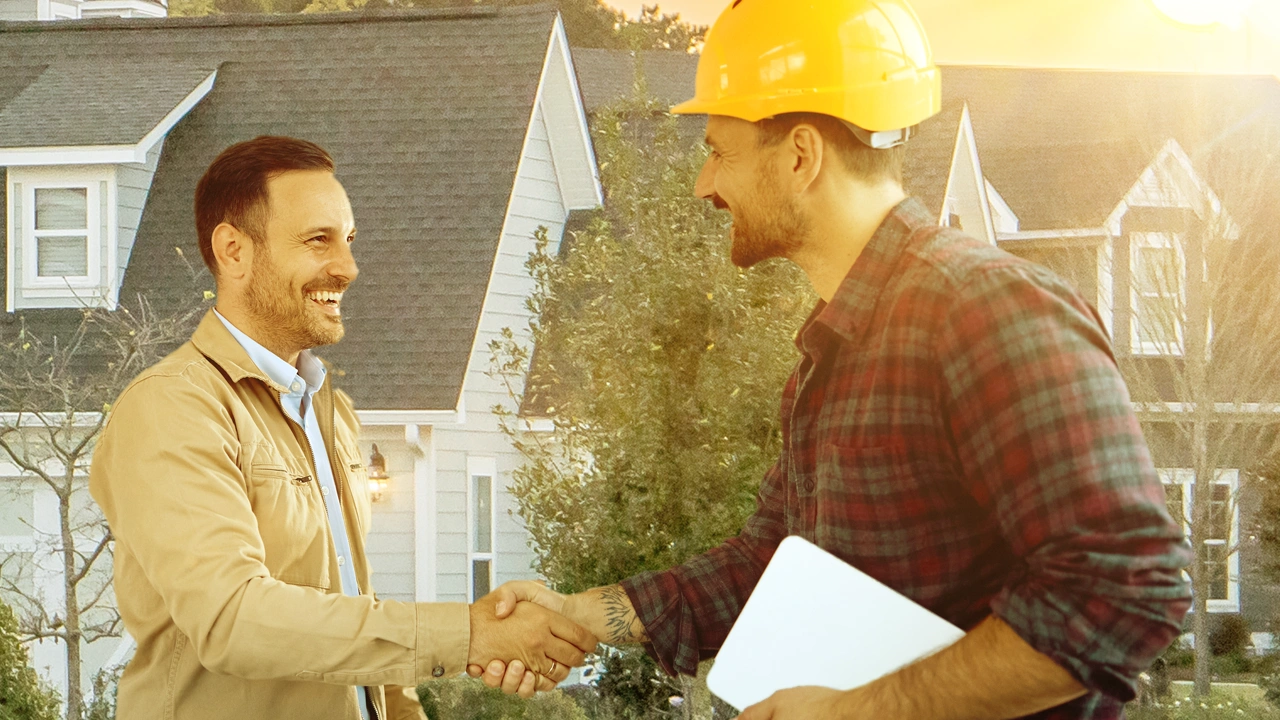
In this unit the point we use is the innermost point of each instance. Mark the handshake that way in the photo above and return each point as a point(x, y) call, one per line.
point(522, 641)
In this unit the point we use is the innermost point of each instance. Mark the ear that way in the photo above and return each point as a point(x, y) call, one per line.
point(805, 151)
point(233, 249)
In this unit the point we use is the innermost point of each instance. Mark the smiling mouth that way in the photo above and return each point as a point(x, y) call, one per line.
point(328, 301)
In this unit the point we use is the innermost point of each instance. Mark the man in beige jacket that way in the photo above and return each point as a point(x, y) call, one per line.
point(231, 477)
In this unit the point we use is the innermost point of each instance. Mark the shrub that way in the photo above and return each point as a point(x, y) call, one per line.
point(468, 699)
point(103, 706)
point(22, 695)
point(1230, 637)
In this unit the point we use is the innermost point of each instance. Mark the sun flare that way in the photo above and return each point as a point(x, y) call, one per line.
point(1203, 13)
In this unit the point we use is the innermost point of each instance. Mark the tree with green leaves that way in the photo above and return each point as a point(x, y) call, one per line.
point(659, 363)
point(588, 23)
point(22, 695)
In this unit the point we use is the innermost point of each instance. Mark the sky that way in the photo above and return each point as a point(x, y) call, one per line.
point(1105, 34)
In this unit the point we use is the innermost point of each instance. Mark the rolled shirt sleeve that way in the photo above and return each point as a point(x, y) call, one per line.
point(1047, 440)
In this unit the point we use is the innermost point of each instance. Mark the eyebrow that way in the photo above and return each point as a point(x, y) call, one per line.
point(324, 230)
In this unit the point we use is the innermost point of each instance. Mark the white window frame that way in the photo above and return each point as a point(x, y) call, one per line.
point(1231, 478)
point(1143, 345)
point(88, 290)
point(481, 467)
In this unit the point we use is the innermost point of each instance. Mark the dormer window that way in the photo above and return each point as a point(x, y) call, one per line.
point(61, 236)
point(1158, 293)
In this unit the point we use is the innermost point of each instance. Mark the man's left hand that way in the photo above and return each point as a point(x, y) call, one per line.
point(802, 703)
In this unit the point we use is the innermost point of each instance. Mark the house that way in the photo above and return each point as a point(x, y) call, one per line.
point(456, 133)
point(11, 10)
point(1118, 181)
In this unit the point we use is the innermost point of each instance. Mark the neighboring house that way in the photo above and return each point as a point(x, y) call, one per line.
point(456, 134)
point(1105, 178)
point(11, 10)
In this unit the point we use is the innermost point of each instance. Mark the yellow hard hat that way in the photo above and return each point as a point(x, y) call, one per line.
point(866, 62)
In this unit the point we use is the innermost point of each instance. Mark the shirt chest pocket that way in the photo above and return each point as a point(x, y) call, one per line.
point(877, 506)
point(292, 523)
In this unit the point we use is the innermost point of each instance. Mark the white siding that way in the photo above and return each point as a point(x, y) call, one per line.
point(536, 201)
point(19, 10)
point(390, 544)
point(133, 183)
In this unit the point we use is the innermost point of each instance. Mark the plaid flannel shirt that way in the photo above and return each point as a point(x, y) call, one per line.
point(957, 428)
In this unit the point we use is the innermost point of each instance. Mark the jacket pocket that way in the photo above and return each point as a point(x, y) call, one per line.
point(292, 523)
point(358, 478)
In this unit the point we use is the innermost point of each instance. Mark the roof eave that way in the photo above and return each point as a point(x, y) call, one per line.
point(107, 154)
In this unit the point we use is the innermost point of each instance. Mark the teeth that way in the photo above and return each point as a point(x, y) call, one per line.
point(326, 296)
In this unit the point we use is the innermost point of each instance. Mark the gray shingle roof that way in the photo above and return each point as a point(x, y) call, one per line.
point(607, 76)
point(1061, 146)
point(1064, 146)
point(425, 114)
point(104, 102)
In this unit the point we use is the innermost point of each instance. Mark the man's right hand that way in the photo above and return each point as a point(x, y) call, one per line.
point(543, 641)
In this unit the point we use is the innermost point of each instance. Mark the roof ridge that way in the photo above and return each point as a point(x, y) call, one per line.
point(272, 20)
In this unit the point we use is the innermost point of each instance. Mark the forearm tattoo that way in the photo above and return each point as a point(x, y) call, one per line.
point(621, 623)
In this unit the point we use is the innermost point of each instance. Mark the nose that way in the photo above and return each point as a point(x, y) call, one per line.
point(344, 265)
point(705, 187)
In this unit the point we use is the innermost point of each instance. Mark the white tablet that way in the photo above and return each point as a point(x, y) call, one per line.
point(815, 620)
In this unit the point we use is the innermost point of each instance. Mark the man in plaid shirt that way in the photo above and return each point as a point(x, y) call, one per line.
point(956, 427)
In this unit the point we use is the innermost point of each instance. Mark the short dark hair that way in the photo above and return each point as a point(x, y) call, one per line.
point(234, 188)
point(862, 160)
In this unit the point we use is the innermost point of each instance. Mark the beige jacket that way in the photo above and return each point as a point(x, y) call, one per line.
point(224, 566)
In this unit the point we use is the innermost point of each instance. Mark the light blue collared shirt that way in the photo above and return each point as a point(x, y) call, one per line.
point(302, 382)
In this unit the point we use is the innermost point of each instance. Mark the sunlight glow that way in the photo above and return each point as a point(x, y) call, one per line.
point(1203, 13)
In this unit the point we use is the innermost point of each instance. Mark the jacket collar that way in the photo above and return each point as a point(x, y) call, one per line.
point(851, 308)
point(221, 347)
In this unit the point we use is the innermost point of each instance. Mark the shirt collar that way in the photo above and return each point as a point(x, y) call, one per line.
point(306, 378)
point(851, 308)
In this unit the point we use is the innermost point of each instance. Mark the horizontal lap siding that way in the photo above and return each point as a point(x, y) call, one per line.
point(390, 545)
point(536, 202)
point(133, 184)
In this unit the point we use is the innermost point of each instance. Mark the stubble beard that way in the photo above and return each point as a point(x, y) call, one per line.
point(282, 314)
point(766, 226)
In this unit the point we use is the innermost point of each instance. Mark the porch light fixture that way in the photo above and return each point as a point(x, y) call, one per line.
point(378, 476)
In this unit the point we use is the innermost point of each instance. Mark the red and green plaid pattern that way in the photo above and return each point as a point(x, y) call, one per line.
point(957, 428)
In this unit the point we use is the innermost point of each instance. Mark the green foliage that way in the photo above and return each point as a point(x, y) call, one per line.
point(633, 687)
point(1230, 637)
point(660, 363)
point(1217, 707)
point(22, 695)
point(103, 706)
point(588, 23)
point(467, 699)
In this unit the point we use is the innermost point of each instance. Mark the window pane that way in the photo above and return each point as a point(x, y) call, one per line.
point(479, 578)
point(62, 208)
point(1159, 319)
point(1217, 568)
point(1173, 501)
point(482, 491)
point(1156, 271)
point(62, 256)
point(1219, 517)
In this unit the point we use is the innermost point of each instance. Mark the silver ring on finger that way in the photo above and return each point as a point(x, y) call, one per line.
point(554, 665)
